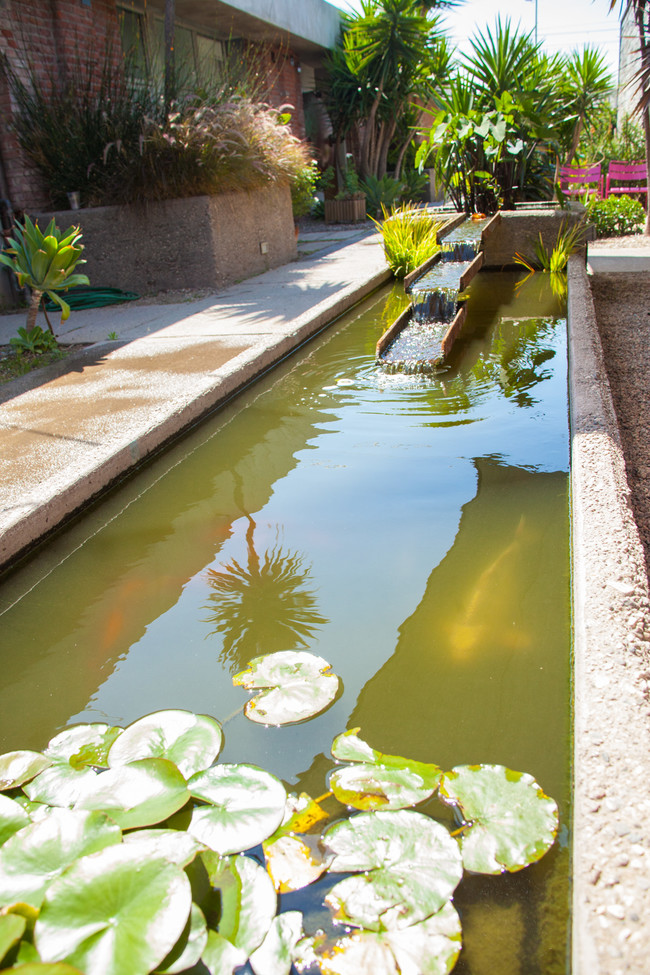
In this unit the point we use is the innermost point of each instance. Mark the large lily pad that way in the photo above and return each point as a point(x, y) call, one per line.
point(140, 794)
point(220, 956)
point(511, 822)
point(190, 741)
point(248, 901)
point(379, 781)
point(114, 913)
point(60, 784)
point(83, 744)
point(430, 947)
point(34, 857)
point(247, 806)
point(12, 927)
point(410, 867)
point(172, 844)
point(276, 953)
point(190, 946)
point(12, 818)
point(19, 767)
point(293, 685)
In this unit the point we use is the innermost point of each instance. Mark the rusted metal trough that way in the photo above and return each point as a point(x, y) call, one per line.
point(396, 351)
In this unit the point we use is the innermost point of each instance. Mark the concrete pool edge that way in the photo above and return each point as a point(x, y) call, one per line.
point(611, 881)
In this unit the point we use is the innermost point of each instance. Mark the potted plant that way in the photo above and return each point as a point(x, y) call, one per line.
point(349, 204)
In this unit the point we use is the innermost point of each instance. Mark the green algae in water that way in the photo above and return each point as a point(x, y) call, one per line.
point(411, 530)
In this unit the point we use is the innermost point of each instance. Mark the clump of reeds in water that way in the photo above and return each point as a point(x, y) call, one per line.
point(410, 237)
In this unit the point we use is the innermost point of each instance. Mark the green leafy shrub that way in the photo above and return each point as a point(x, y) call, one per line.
point(35, 341)
point(384, 192)
point(410, 237)
point(303, 188)
point(616, 216)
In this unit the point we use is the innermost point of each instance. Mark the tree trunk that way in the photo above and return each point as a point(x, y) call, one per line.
point(575, 139)
point(32, 310)
point(170, 59)
point(370, 128)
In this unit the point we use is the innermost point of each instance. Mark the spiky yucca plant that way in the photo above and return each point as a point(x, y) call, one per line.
point(45, 263)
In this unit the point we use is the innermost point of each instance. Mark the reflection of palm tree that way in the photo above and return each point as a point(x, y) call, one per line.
point(263, 606)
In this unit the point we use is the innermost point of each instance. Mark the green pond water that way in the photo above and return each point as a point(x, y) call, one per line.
point(411, 530)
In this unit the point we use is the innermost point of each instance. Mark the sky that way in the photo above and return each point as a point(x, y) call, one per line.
point(562, 25)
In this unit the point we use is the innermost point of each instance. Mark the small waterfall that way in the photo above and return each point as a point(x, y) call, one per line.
point(459, 250)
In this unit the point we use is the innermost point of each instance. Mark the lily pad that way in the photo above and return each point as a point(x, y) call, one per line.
point(190, 946)
point(140, 794)
point(114, 913)
point(83, 744)
point(294, 862)
point(172, 844)
point(247, 806)
point(40, 968)
point(294, 686)
point(59, 785)
point(220, 957)
point(430, 947)
point(379, 781)
point(276, 953)
point(12, 818)
point(190, 741)
point(410, 867)
point(510, 821)
point(248, 901)
point(17, 768)
point(12, 928)
point(35, 856)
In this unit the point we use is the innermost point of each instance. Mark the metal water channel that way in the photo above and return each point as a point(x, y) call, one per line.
point(412, 530)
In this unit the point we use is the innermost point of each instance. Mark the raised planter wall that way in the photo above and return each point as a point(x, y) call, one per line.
point(345, 211)
point(519, 230)
point(195, 242)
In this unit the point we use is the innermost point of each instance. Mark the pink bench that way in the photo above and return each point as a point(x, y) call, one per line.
point(580, 180)
point(633, 176)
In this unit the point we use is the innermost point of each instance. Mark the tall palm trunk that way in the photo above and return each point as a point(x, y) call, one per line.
point(32, 310)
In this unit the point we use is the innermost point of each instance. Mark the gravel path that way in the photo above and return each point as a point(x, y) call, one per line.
point(622, 304)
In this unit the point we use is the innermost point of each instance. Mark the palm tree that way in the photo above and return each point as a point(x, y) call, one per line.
point(588, 84)
point(641, 12)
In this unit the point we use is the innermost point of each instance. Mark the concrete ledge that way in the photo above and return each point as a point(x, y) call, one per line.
point(519, 231)
point(611, 863)
point(606, 261)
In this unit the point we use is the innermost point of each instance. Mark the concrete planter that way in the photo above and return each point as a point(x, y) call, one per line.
point(196, 242)
point(350, 210)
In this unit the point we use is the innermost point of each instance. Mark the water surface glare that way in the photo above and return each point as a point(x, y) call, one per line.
point(412, 530)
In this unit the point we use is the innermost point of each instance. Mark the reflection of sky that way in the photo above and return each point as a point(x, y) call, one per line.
point(372, 503)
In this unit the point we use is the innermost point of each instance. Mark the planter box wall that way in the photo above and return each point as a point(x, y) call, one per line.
point(195, 242)
point(519, 231)
point(345, 211)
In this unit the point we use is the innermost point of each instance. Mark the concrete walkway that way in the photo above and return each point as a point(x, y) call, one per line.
point(100, 412)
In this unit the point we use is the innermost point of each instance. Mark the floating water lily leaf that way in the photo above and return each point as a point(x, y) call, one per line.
point(60, 784)
point(411, 867)
point(83, 744)
point(511, 821)
point(247, 807)
point(172, 844)
point(39, 968)
point(190, 946)
point(12, 928)
point(114, 913)
point(39, 853)
point(380, 781)
point(190, 741)
point(294, 685)
point(248, 901)
point(19, 767)
point(12, 818)
point(35, 810)
point(430, 947)
point(140, 794)
point(276, 953)
point(293, 862)
point(220, 957)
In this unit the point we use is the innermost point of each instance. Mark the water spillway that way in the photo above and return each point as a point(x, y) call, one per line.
point(412, 530)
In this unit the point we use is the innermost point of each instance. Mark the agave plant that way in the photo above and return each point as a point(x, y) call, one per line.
point(45, 263)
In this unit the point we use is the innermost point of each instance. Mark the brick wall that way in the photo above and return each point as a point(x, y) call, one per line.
point(282, 68)
point(48, 35)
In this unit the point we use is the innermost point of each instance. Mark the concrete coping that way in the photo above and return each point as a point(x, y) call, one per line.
point(611, 875)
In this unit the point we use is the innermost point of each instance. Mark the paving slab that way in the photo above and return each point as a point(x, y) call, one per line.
point(100, 413)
